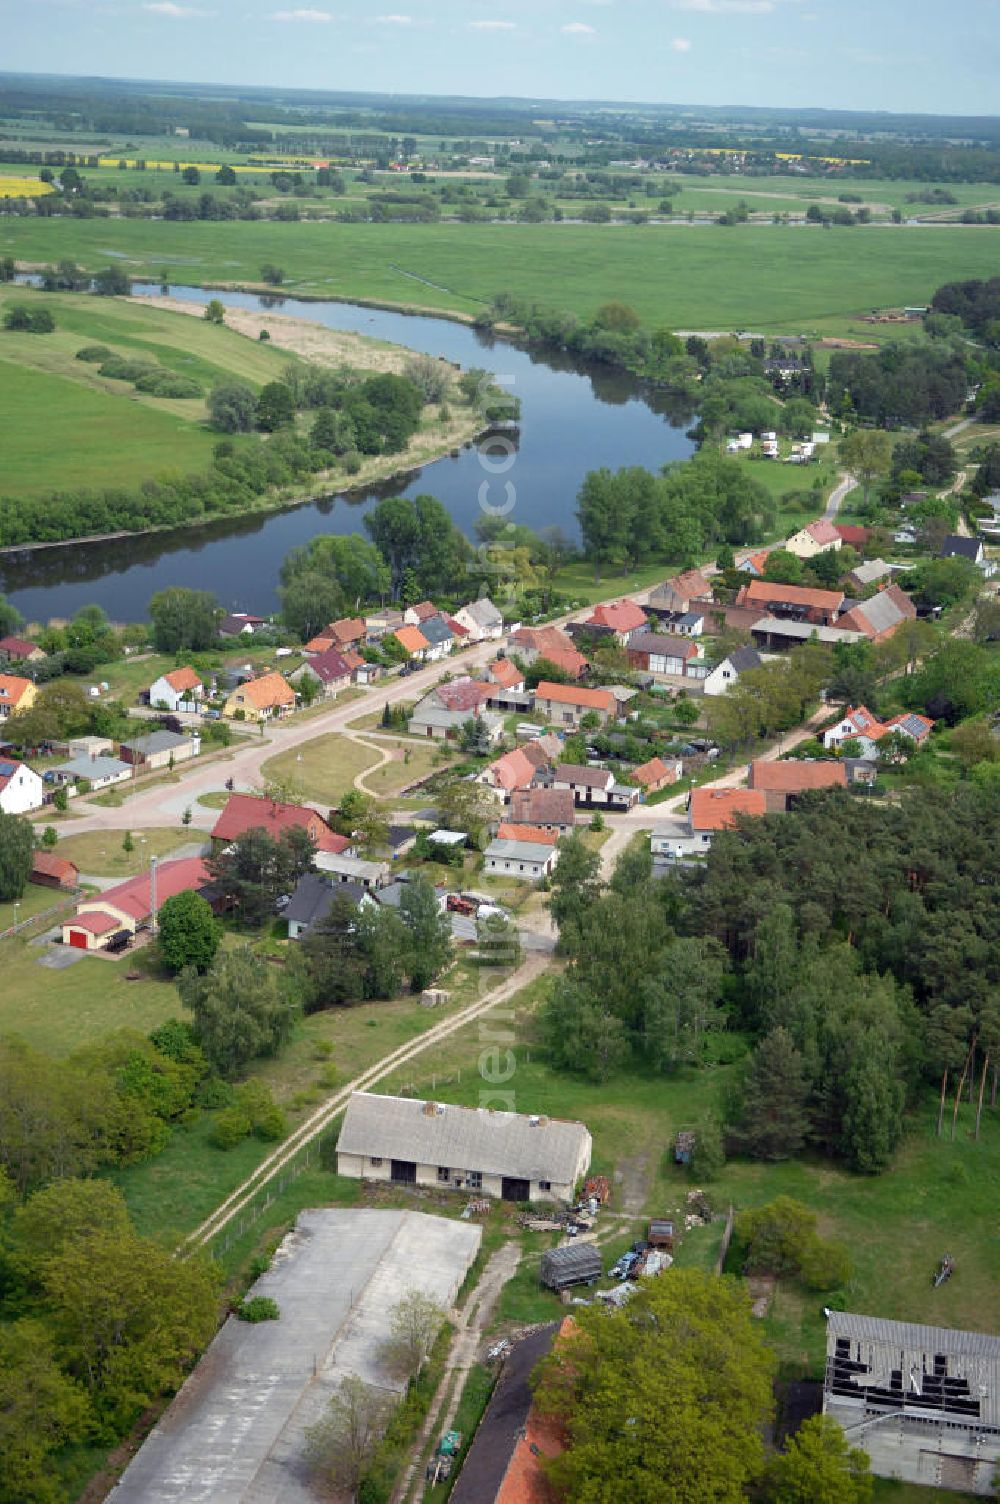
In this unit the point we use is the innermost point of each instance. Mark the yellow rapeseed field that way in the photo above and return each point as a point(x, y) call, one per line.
point(23, 187)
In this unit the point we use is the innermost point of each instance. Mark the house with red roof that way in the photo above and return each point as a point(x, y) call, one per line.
point(551, 809)
point(709, 810)
point(782, 781)
point(796, 602)
point(680, 594)
point(505, 674)
point(412, 641)
point(51, 871)
point(860, 725)
point(621, 618)
point(519, 769)
point(20, 650)
point(656, 774)
point(551, 643)
point(815, 538)
point(446, 708)
point(180, 689)
point(129, 905)
point(329, 670)
point(245, 812)
point(881, 615)
point(853, 535)
point(567, 704)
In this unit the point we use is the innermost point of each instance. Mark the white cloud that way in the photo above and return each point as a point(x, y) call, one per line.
point(168, 8)
point(577, 29)
point(681, 44)
point(394, 20)
point(493, 25)
point(301, 15)
point(726, 7)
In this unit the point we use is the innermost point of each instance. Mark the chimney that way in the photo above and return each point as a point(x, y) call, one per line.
point(152, 895)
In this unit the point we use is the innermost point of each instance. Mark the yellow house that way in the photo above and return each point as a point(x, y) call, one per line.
point(814, 539)
point(263, 699)
point(16, 694)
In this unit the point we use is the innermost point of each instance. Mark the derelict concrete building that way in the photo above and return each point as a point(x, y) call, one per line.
point(922, 1401)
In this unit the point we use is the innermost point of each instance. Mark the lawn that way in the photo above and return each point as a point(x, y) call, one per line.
point(692, 277)
point(34, 900)
point(101, 854)
point(325, 768)
point(58, 1010)
point(938, 1197)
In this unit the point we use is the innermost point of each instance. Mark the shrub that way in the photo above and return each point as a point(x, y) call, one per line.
point(230, 1128)
point(94, 354)
point(29, 320)
point(258, 1308)
point(167, 384)
point(118, 368)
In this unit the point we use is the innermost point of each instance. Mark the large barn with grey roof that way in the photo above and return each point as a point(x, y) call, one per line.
point(508, 1155)
point(922, 1401)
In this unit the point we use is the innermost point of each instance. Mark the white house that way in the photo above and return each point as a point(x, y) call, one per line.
point(481, 619)
point(484, 1149)
point(100, 772)
point(20, 787)
point(181, 689)
point(727, 673)
point(814, 539)
point(525, 851)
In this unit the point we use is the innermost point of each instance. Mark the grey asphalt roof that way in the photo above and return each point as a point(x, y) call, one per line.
point(660, 642)
point(882, 611)
point(436, 630)
point(742, 659)
point(576, 773)
point(158, 741)
point(518, 851)
point(870, 570)
point(484, 613)
point(966, 548)
point(314, 895)
point(467, 1138)
point(804, 630)
point(86, 766)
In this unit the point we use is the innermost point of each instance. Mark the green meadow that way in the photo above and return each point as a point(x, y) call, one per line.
point(65, 425)
point(681, 276)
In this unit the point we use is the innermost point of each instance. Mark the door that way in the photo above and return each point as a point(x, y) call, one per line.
point(515, 1190)
point(78, 938)
point(403, 1172)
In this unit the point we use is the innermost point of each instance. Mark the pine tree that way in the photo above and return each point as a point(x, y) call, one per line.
point(773, 1119)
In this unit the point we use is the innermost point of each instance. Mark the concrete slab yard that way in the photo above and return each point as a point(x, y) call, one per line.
point(234, 1433)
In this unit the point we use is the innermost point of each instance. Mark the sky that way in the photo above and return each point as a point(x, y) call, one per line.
point(896, 55)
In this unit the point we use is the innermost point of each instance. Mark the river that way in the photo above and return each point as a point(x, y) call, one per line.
point(574, 418)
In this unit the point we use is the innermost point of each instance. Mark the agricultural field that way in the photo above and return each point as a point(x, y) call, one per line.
point(680, 276)
point(14, 186)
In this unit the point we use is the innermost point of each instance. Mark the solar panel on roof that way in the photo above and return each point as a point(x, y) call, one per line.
point(7, 768)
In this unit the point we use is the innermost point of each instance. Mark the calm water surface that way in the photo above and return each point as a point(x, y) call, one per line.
point(574, 418)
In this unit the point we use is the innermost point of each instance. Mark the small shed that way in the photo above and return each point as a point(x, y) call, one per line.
point(684, 1147)
point(661, 1233)
point(573, 1264)
point(434, 997)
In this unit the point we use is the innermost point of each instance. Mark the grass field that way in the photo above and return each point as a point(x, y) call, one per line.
point(60, 1010)
point(325, 768)
point(100, 854)
point(679, 276)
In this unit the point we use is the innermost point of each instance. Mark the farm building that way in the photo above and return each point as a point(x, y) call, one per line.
point(51, 871)
point(505, 1463)
point(526, 851)
point(159, 749)
point(502, 1154)
point(129, 906)
point(783, 781)
point(922, 1401)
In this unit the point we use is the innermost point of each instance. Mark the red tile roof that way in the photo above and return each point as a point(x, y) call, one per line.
point(49, 865)
point(568, 694)
point(543, 806)
point(794, 776)
point(508, 831)
point(347, 630)
point(505, 673)
point(620, 616)
point(763, 592)
point(330, 666)
point(425, 610)
point(653, 771)
point(823, 531)
point(454, 626)
point(320, 644)
point(514, 770)
point(270, 689)
point(857, 537)
point(133, 897)
point(183, 678)
point(464, 694)
point(18, 647)
point(411, 638)
point(13, 688)
point(716, 809)
point(97, 924)
point(245, 812)
point(568, 660)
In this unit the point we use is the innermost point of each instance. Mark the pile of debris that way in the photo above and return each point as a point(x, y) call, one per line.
point(479, 1208)
point(699, 1210)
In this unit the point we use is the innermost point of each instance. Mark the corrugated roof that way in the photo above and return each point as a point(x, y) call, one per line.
point(505, 850)
point(465, 1138)
point(670, 645)
point(591, 778)
point(187, 874)
point(907, 1334)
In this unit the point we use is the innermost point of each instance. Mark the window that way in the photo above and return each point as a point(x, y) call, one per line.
point(545, 1185)
point(474, 1180)
point(375, 1162)
point(444, 1175)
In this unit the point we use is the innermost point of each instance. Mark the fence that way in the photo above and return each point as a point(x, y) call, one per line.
point(727, 1238)
point(24, 924)
point(309, 1156)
